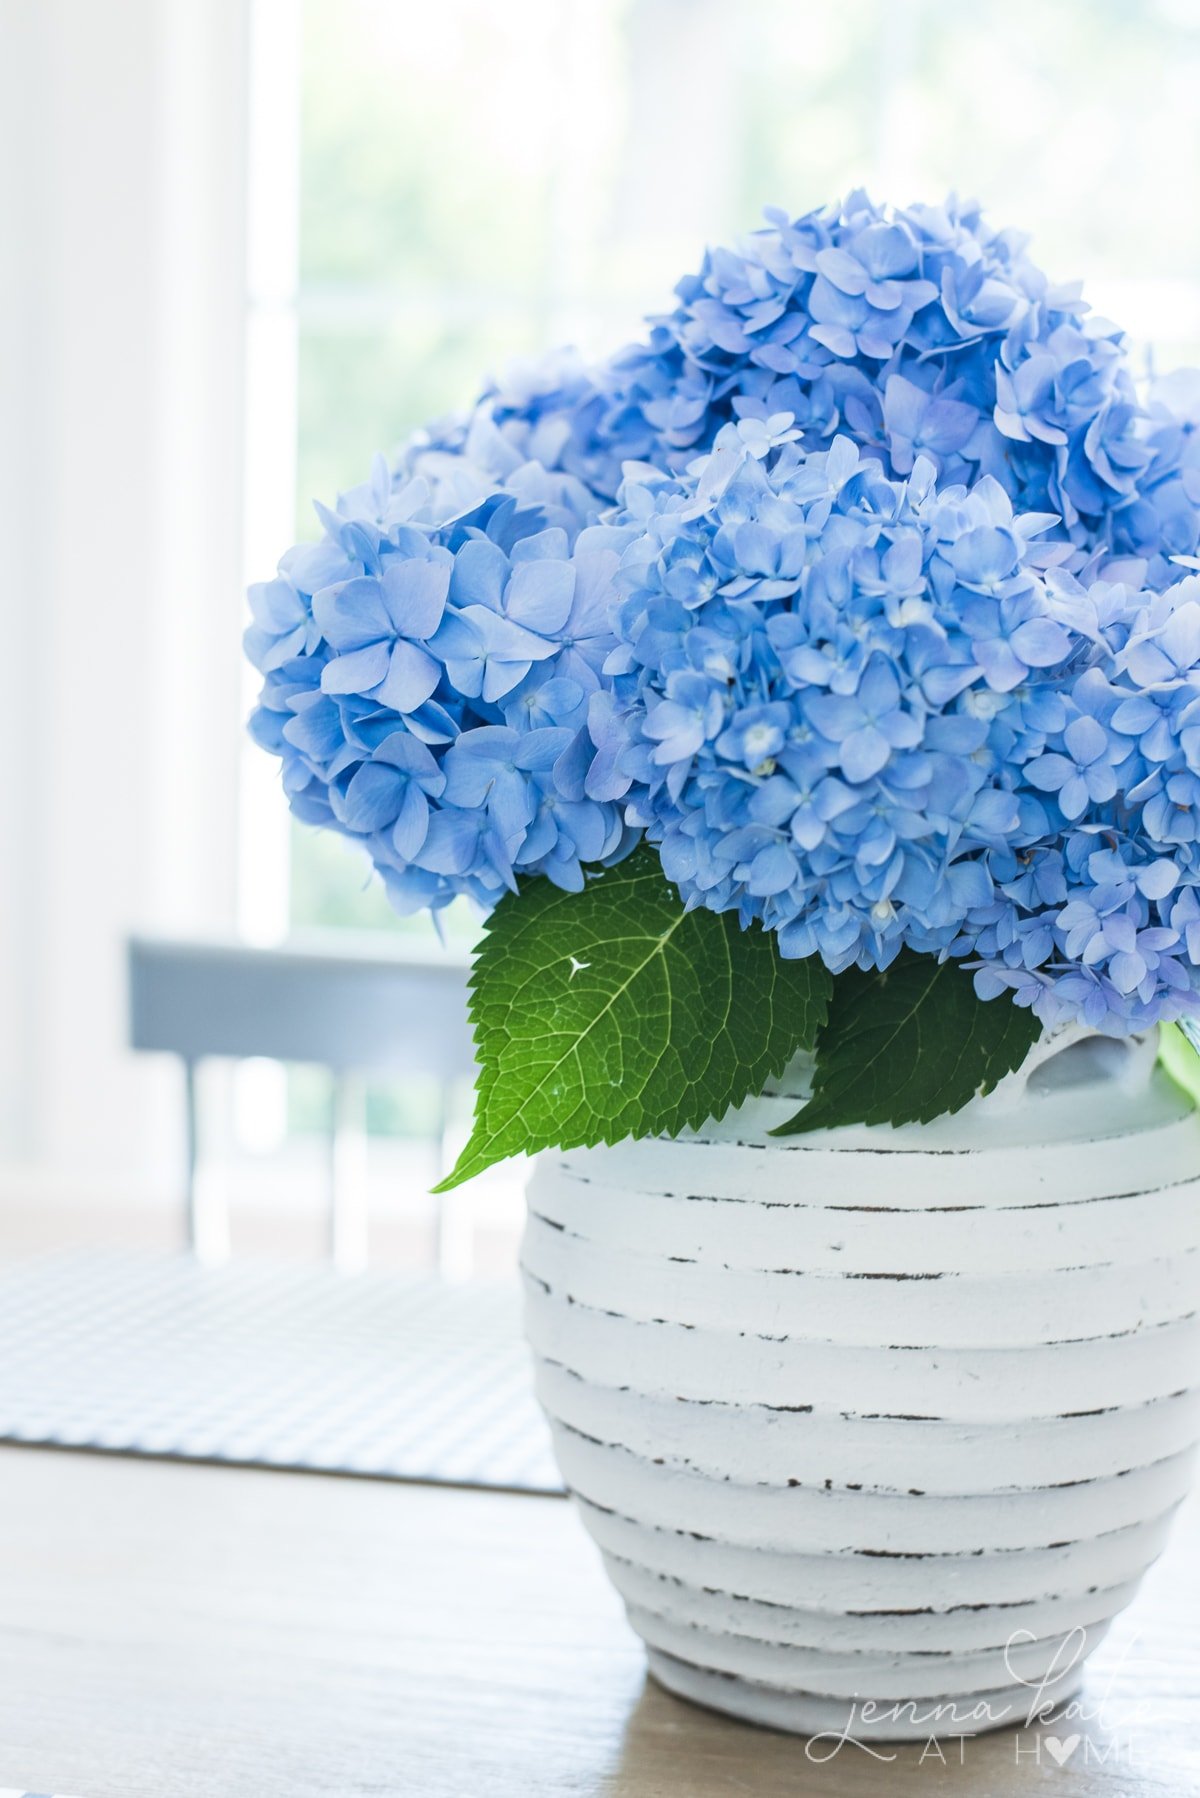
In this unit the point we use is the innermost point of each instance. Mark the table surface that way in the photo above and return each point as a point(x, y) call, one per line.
point(173, 1631)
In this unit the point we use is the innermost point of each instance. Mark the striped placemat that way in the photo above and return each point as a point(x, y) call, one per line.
point(376, 1374)
point(16, 1792)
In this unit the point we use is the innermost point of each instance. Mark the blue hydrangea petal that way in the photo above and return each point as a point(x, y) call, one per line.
point(412, 678)
point(539, 595)
point(414, 594)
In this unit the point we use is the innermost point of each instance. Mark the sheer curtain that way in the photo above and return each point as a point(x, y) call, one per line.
point(122, 162)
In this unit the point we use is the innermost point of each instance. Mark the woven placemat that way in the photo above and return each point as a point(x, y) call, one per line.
point(15, 1792)
point(375, 1374)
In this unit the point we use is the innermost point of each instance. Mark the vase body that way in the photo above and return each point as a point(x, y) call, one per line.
point(877, 1429)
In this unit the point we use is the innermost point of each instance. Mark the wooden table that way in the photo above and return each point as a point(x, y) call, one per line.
point(172, 1631)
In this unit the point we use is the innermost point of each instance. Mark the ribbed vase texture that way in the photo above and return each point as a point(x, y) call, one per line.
point(877, 1429)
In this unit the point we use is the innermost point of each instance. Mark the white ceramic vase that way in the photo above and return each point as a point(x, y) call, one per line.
point(878, 1429)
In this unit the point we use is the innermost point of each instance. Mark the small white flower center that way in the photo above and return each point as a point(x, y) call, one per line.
point(983, 705)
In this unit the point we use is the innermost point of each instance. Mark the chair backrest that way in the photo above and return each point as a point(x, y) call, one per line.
point(347, 1004)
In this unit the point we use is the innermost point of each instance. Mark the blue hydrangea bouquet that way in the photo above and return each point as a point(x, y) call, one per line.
point(820, 673)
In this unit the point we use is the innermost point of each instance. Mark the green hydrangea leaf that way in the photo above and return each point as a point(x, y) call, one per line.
point(613, 1012)
point(909, 1044)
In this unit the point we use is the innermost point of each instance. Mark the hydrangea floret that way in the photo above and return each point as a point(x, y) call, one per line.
point(859, 602)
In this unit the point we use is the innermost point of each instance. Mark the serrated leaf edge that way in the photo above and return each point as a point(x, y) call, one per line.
point(694, 1110)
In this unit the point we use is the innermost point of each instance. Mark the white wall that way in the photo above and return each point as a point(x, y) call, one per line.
point(122, 283)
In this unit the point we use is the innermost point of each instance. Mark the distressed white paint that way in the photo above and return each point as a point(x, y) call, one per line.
point(880, 1414)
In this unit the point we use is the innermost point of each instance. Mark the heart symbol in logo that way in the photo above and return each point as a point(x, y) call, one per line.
point(1060, 1751)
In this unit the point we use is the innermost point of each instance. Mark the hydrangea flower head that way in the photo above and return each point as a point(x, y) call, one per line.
point(556, 412)
point(920, 332)
point(428, 668)
point(547, 414)
point(1094, 907)
point(827, 679)
point(857, 710)
point(1162, 522)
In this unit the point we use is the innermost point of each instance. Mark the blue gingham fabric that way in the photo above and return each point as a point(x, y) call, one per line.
point(296, 1367)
